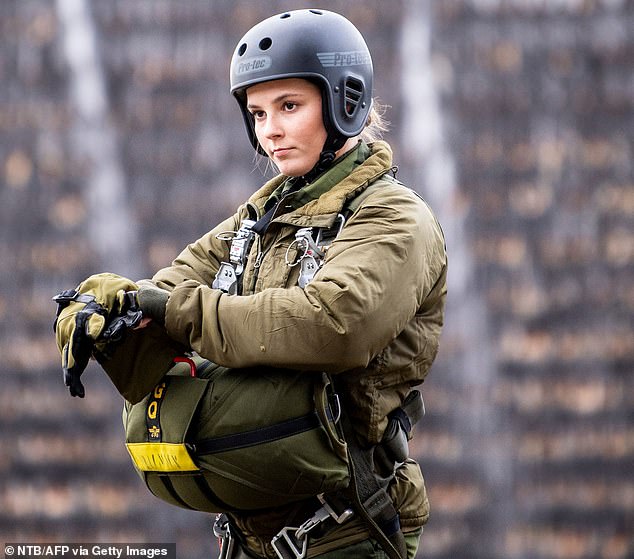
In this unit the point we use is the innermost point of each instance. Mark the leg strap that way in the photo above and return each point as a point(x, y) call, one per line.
point(370, 498)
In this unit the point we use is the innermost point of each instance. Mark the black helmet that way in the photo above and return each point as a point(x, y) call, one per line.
point(317, 45)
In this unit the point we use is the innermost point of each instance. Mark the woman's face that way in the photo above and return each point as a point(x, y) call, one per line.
point(288, 123)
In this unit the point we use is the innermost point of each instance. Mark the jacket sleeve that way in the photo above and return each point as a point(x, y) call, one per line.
point(200, 260)
point(376, 277)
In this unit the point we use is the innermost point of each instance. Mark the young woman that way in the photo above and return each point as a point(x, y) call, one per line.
point(332, 266)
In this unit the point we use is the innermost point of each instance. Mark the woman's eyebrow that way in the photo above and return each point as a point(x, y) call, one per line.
point(278, 99)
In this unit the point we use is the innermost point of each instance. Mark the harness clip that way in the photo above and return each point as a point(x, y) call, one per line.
point(227, 276)
point(292, 543)
point(288, 546)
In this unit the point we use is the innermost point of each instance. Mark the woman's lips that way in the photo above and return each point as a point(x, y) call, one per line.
point(281, 152)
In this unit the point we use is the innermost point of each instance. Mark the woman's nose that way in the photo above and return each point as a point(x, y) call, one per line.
point(272, 127)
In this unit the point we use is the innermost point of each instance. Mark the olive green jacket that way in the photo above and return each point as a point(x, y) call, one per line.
point(372, 314)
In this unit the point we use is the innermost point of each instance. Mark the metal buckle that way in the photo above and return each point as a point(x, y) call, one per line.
point(288, 546)
point(241, 244)
point(338, 518)
point(226, 278)
point(295, 540)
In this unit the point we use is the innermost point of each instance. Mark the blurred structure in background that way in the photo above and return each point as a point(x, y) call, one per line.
point(120, 143)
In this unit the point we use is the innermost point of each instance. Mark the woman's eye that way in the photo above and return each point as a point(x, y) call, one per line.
point(289, 105)
point(257, 115)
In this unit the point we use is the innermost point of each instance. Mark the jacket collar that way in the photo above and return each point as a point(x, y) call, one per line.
point(321, 200)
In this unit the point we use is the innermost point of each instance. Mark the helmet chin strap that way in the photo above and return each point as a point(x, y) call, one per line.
point(334, 141)
point(328, 154)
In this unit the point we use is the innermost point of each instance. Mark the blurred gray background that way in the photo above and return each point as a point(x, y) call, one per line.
point(120, 143)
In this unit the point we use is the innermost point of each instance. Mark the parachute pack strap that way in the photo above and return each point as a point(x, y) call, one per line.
point(371, 500)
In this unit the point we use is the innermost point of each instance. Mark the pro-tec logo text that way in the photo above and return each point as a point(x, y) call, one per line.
point(349, 58)
point(254, 64)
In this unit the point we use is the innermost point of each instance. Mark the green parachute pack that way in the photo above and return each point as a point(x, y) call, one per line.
point(214, 439)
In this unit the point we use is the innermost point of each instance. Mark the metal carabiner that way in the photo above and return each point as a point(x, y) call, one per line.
point(222, 531)
point(292, 543)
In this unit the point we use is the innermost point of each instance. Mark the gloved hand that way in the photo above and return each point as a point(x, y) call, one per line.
point(99, 310)
point(152, 301)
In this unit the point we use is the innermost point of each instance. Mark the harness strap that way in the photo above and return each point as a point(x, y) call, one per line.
point(262, 224)
point(366, 494)
point(367, 491)
point(371, 500)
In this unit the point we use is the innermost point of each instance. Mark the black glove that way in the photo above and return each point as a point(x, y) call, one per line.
point(91, 317)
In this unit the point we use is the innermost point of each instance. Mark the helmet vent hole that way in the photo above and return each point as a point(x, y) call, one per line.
point(242, 49)
point(317, 12)
point(265, 43)
point(353, 92)
point(285, 16)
